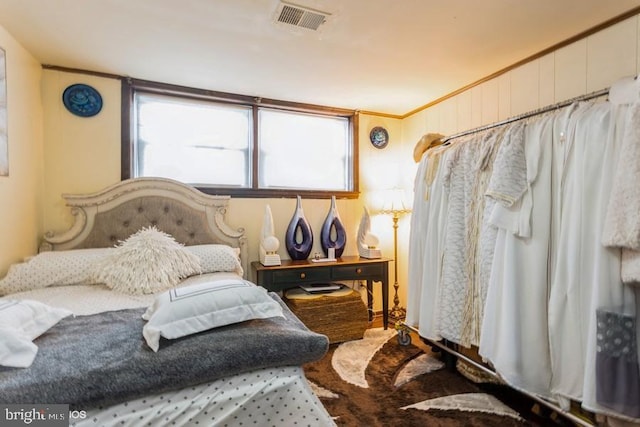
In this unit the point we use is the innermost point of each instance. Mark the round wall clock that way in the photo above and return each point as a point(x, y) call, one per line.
point(82, 100)
point(379, 137)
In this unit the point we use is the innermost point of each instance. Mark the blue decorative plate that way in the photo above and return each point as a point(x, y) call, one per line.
point(379, 137)
point(82, 100)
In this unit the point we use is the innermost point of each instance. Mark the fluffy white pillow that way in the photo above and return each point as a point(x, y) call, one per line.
point(20, 323)
point(149, 261)
point(56, 268)
point(206, 305)
point(215, 258)
point(29, 318)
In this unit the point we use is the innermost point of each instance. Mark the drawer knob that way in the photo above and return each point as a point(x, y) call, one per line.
point(358, 271)
point(302, 275)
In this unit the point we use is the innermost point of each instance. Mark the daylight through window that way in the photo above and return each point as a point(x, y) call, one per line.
point(244, 148)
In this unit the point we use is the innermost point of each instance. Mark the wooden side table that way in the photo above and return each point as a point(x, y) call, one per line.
point(293, 273)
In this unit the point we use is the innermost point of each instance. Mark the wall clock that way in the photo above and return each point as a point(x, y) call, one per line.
point(82, 100)
point(379, 137)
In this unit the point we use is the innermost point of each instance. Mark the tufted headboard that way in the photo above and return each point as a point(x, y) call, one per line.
point(104, 218)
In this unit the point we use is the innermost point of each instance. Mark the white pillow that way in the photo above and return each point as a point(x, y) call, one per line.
point(206, 305)
point(215, 258)
point(28, 318)
point(16, 351)
point(149, 261)
point(56, 268)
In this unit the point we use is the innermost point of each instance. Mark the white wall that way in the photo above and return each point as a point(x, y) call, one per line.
point(21, 191)
point(81, 154)
point(582, 67)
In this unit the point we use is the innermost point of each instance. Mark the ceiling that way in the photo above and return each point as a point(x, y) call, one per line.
point(384, 56)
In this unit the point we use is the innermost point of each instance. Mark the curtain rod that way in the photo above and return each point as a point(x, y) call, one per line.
point(542, 110)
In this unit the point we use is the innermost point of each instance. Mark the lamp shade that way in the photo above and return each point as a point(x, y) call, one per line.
point(394, 202)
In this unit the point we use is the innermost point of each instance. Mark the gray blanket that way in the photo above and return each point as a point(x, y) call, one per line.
point(99, 360)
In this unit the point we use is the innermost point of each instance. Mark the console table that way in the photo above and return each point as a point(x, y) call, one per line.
point(293, 273)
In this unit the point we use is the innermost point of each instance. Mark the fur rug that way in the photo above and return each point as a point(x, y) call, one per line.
point(377, 382)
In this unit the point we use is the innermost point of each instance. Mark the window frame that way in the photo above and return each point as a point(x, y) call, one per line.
point(131, 86)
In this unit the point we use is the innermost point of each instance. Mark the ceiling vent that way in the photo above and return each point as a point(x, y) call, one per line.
point(300, 16)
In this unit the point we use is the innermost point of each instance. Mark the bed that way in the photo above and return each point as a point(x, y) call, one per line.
point(129, 343)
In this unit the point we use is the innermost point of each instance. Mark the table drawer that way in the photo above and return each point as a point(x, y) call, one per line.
point(301, 275)
point(351, 272)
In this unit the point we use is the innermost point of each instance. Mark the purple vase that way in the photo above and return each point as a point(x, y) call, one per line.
point(299, 237)
point(333, 235)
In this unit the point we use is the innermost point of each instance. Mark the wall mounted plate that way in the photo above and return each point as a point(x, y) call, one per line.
point(82, 100)
point(379, 137)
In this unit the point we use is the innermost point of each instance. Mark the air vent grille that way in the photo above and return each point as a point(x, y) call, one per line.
point(300, 16)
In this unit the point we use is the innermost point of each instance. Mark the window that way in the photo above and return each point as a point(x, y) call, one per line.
point(313, 148)
point(183, 139)
point(232, 144)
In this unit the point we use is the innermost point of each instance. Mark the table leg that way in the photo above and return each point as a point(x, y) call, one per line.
point(385, 303)
point(370, 299)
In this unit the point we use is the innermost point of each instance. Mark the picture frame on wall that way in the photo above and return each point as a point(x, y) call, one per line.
point(4, 139)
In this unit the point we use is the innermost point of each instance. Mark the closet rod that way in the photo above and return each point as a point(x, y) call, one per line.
point(542, 110)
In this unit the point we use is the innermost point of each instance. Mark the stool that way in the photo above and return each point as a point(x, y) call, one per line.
point(340, 315)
